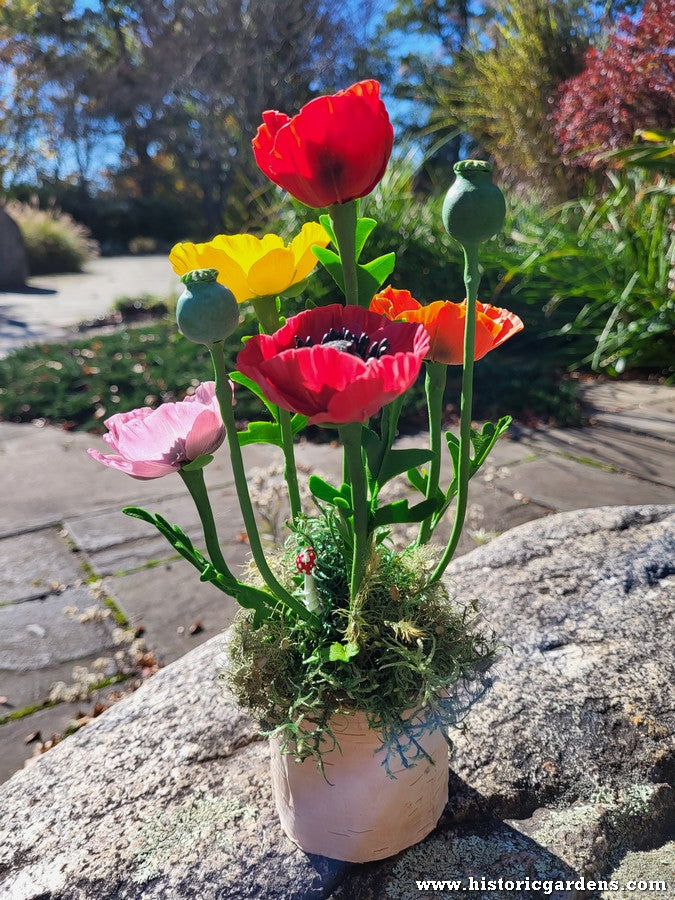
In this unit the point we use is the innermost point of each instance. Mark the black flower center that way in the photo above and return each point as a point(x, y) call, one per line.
point(347, 342)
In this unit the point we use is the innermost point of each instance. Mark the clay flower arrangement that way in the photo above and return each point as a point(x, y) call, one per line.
point(350, 653)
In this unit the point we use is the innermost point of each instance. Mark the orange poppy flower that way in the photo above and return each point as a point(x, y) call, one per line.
point(444, 321)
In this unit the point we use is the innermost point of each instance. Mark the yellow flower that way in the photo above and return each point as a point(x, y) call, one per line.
point(253, 267)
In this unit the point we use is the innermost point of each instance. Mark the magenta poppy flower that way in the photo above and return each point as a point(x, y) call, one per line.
point(150, 443)
point(336, 364)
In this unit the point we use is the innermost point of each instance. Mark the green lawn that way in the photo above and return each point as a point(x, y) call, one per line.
point(80, 383)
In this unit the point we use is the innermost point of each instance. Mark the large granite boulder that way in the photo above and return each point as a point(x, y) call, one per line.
point(563, 772)
point(13, 258)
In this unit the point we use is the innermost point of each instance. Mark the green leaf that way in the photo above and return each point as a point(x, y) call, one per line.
point(255, 388)
point(382, 267)
point(322, 490)
point(331, 263)
point(295, 289)
point(198, 463)
point(180, 534)
point(260, 433)
point(363, 229)
point(453, 447)
point(342, 652)
point(255, 599)
point(166, 525)
point(137, 513)
point(399, 511)
point(298, 422)
point(418, 480)
point(371, 275)
point(327, 224)
point(209, 573)
point(398, 461)
point(484, 440)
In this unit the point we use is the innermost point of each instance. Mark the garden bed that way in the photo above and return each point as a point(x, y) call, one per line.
point(79, 383)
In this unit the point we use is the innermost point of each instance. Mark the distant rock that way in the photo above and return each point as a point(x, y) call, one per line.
point(13, 258)
point(561, 772)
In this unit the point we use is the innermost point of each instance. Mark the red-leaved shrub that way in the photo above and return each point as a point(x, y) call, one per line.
point(629, 85)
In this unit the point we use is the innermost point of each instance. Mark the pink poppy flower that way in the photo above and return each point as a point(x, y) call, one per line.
point(335, 364)
point(150, 443)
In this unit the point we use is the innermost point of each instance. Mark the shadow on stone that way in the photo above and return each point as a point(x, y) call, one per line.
point(28, 289)
point(468, 852)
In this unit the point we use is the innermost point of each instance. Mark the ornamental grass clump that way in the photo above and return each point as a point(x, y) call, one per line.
point(54, 241)
point(339, 623)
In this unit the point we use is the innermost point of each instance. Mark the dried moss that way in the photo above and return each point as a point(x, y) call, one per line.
point(415, 649)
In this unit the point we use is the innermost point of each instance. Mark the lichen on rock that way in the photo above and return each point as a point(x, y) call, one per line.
point(167, 794)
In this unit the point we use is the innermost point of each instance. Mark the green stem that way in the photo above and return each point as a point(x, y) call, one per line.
point(225, 401)
point(343, 216)
point(388, 427)
point(194, 481)
point(435, 388)
point(290, 471)
point(471, 280)
point(266, 310)
point(390, 416)
point(351, 440)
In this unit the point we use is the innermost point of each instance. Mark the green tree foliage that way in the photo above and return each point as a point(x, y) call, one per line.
point(502, 93)
point(487, 80)
point(180, 84)
point(445, 27)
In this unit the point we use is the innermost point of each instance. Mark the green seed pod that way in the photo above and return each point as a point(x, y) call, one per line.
point(474, 207)
point(206, 311)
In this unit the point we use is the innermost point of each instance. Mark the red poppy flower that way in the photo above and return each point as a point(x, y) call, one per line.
point(334, 150)
point(336, 363)
point(445, 323)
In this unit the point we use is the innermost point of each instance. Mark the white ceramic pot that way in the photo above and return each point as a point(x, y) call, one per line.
point(357, 812)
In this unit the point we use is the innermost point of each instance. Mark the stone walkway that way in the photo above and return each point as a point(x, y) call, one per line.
point(73, 568)
point(52, 304)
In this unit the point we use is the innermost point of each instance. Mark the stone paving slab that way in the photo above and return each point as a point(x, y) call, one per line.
point(33, 497)
point(168, 599)
point(100, 530)
point(654, 422)
point(47, 722)
point(52, 304)
point(39, 634)
point(53, 720)
point(648, 458)
point(36, 564)
point(616, 396)
point(563, 484)
point(492, 510)
point(113, 542)
point(32, 687)
point(47, 476)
